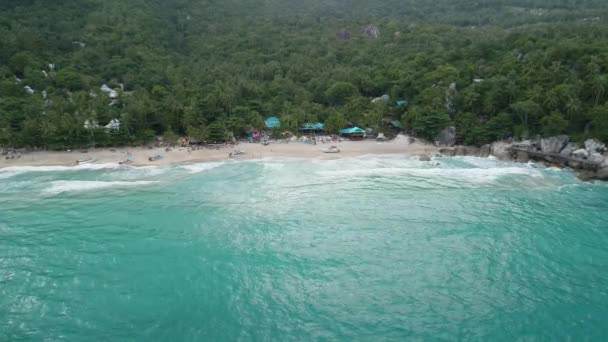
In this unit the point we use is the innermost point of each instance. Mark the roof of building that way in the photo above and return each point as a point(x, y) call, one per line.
point(273, 122)
point(352, 130)
point(309, 126)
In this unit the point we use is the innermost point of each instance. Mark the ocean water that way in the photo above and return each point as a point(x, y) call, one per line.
point(373, 248)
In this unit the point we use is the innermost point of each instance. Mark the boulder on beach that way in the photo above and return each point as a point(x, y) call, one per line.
point(460, 151)
point(574, 164)
point(580, 153)
point(567, 151)
point(554, 144)
point(586, 175)
point(447, 151)
point(594, 145)
point(501, 150)
point(523, 157)
point(484, 151)
point(602, 174)
point(596, 158)
point(447, 137)
point(473, 151)
point(424, 157)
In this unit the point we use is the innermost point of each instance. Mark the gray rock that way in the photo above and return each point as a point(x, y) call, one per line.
point(501, 150)
point(523, 157)
point(527, 145)
point(460, 151)
point(581, 153)
point(586, 175)
point(602, 174)
point(447, 137)
point(567, 151)
point(596, 158)
point(484, 151)
point(473, 151)
point(447, 151)
point(594, 145)
point(574, 164)
point(424, 157)
point(554, 144)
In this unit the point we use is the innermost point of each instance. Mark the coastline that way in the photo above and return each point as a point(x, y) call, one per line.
point(181, 155)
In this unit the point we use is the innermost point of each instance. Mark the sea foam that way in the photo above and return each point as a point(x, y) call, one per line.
point(200, 167)
point(73, 186)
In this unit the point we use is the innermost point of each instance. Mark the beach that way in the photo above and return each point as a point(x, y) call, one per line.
point(182, 155)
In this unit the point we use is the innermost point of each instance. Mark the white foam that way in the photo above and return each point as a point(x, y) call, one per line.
point(15, 170)
point(475, 175)
point(200, 167)
point(71, 186)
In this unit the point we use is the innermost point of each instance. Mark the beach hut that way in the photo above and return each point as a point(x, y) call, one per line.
point(273, 122)
point(402, 103)
point(312, 127)
point(353, 133)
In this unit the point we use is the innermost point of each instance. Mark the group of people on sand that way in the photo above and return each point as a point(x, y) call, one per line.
point(11, 155)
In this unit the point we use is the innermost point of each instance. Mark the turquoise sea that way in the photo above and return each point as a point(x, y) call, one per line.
point(367, 249)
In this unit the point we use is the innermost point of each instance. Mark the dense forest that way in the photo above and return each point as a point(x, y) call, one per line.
point(211, 69)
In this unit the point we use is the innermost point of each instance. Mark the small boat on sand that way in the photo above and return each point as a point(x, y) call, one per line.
point(332, 149)
point(155, 158)
point(126, 161)
point(85, 161)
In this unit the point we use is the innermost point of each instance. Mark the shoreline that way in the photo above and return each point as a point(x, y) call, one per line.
point(252, 151)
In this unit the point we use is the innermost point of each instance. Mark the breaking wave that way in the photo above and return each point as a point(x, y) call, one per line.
point(200, 167)
point(11, 171)
point(77, 186)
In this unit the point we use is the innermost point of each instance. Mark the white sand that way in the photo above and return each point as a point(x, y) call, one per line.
point(139, 155)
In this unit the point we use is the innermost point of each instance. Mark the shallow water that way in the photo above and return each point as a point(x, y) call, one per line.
point(367, 249)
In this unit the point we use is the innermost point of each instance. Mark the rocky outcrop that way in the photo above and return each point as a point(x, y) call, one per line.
point(554, 144)
point(596, 158)
point(567, 151)
point(522, 156)
point(447, 152)
point(473, 151)
point(447, 137)
point(460, 151)
point(581, 154)
point(602, 174)
point(484, 151)
point(372, 31)
point(501, 150)
point(594, 145)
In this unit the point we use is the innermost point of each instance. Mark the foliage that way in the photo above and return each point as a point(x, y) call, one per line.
point(429, 125)
point(554, 124)
point(210, 69)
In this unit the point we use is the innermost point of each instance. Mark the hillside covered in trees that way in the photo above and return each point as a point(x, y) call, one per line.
point(209, 68)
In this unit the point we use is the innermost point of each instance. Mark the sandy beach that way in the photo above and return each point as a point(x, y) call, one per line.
point(181, 155)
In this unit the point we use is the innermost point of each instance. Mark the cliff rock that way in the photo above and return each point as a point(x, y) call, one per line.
point(484, 151)
point(523, 157)
point(460, 151)
point(594, 145)
point(602, 174)
point(447, 151)
point(567, 151)
point(596, 158)
point(582, 153)
point(554, 144)
point(501, 150)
